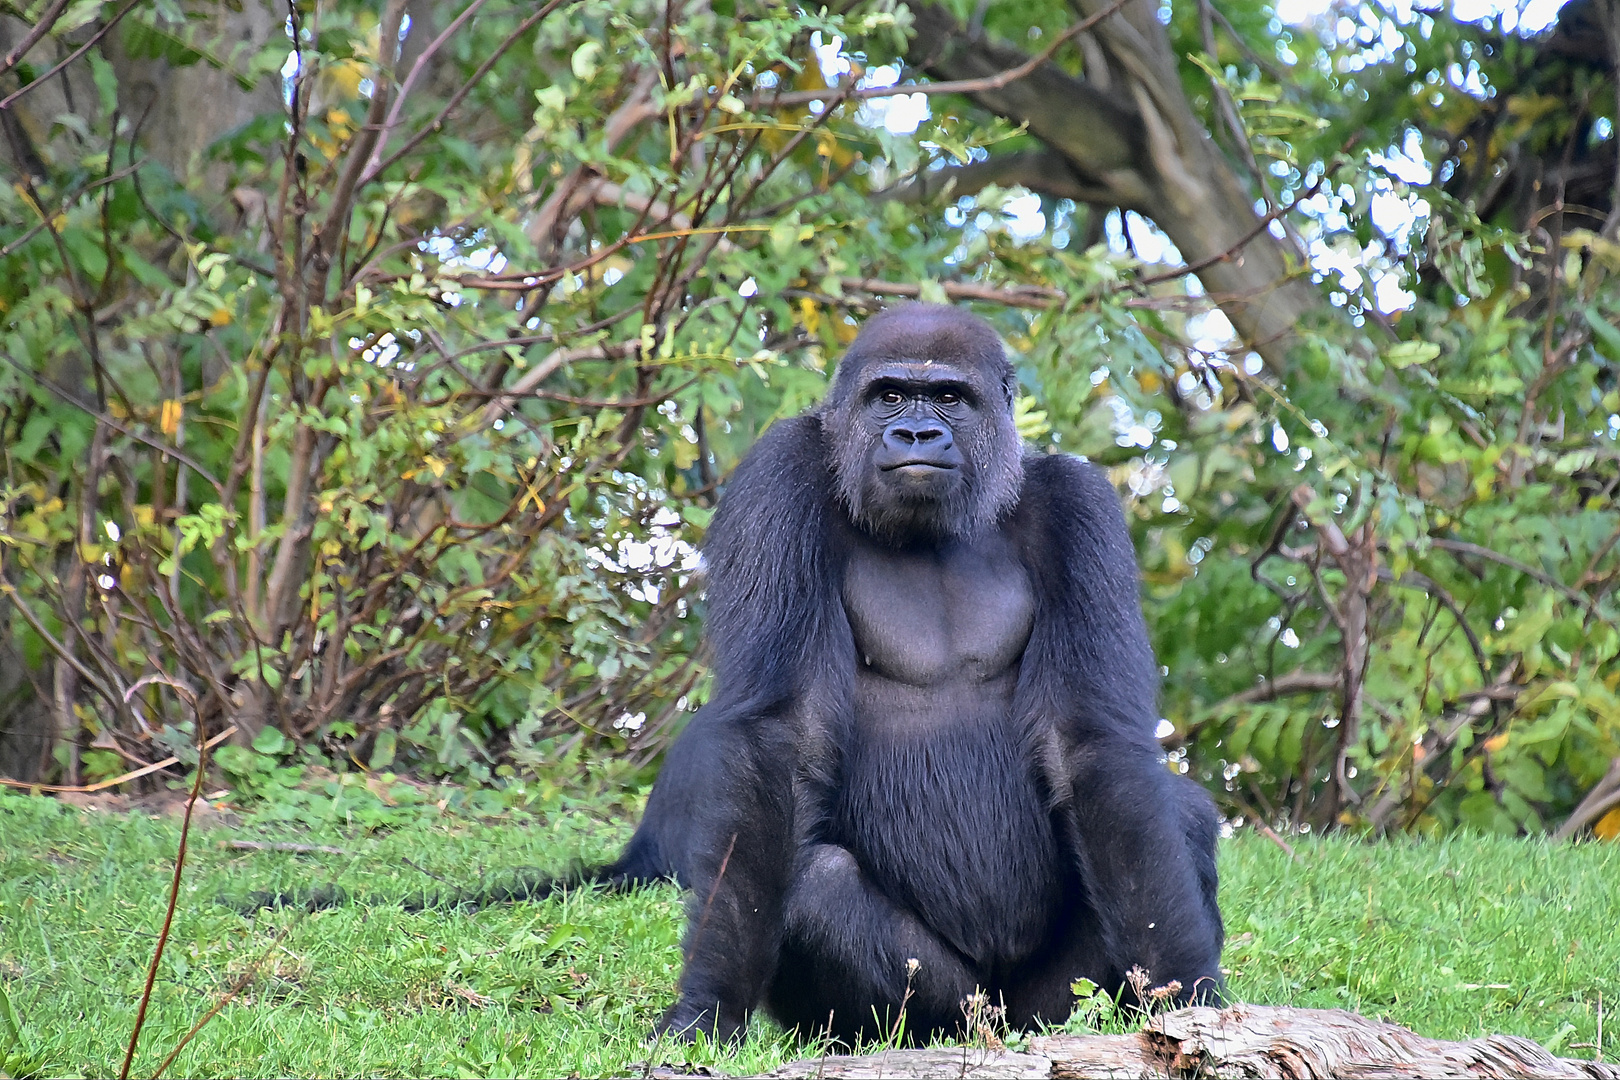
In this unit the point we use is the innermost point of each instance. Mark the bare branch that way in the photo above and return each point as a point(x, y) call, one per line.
point(1463, 547)
point(417, 68)
point(326, 237)
point(1604, 796)
point(466, 88)
point(1414, 580)
point(1044, 171)
point(542, 371)
point(1295, 682)
point(72, 56)
point(1233, 252)
point(1024, 296)
point(41, 27)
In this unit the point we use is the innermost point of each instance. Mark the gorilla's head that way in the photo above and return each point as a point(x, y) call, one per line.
point(920, 426)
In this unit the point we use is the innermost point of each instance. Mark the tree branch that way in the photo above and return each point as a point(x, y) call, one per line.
point(1604, 796)
point(1463, 547)
point(955, 86)
point(41, 27)
point(1295, 682)
point(1025, 296)
point(1044, 171)
point(72, 56)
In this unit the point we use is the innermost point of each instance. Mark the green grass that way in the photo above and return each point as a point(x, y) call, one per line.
point(1454, 938)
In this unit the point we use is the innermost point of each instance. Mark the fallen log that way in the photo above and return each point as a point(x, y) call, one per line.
point(1242, 1041)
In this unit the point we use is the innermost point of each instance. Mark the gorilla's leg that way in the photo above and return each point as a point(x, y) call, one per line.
point(847, 954)
point(1041, 988)
point(720, 820)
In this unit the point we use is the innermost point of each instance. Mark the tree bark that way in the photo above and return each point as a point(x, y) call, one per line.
point(1242, 1041)
point(175, 125)
point(1127, 136)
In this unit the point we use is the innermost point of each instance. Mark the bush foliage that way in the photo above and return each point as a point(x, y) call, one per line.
point(383, 424)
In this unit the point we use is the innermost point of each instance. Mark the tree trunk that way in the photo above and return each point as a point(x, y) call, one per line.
point(1127, 136)
point(166, 98)
point(1242, 1041)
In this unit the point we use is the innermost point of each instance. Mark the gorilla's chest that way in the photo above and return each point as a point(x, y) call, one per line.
point(958, 615)
point(938, 799)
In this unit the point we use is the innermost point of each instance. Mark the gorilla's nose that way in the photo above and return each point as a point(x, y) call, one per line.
point(923, 444)
point(903, 436)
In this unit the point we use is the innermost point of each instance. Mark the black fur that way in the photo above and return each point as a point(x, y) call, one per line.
point(985, 795)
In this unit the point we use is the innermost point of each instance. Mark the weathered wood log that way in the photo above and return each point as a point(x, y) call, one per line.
point(1242, 1041)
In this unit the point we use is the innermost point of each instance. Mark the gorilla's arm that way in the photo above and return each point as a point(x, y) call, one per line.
point(851, 950)
point(721, 815)
point(1144, 839)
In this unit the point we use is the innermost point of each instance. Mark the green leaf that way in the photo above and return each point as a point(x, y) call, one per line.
point(382, 754)
point(1604, 335)
point(271, 741)
point(1408, 353)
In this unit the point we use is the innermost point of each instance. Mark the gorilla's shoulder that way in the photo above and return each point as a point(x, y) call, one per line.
point(1070, 519)
point(1062, 486)
point(792, 444)
point(784, 475)
point(775, 500)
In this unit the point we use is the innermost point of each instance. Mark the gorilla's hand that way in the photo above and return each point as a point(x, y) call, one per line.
point(719, 1023)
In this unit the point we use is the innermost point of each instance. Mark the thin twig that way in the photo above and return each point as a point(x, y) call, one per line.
point(1271, 834)
point(466, 88)
point(1026, 296)
point(296, 849)
point(40, 28)
point(179, 865)
point(5, 102)
point(708, 904)
point(1243, 242)
point(230, 995)
point(405, 86)
point(129, 433)
point(156, 766)
point(1463, 547)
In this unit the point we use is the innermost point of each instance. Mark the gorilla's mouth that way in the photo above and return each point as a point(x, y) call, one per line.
point(919, 467)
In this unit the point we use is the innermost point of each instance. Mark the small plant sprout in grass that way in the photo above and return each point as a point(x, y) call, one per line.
point(985, 1022)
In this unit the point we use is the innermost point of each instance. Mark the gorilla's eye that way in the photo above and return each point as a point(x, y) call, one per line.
point(948, 398)
point(892, 397)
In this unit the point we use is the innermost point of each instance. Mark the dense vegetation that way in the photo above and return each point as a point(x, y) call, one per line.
point(371, 369)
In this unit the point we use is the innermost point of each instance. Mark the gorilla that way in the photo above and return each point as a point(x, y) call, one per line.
point(928, 765)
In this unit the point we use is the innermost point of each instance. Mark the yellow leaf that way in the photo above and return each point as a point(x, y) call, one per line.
point(810, 314)
point(169, 417)
point(341, 123)
point(144, 515)
point(1608, 826)
point(435, 465)
point(1495, 743)
point(220, 317)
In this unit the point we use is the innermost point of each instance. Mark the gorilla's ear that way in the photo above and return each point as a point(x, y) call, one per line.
point(1009, 387)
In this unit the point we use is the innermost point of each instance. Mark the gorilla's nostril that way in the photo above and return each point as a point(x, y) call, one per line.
point(917, 434)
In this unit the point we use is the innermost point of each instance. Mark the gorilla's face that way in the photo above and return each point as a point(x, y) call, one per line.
point(920, 424)
point(909, 417)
